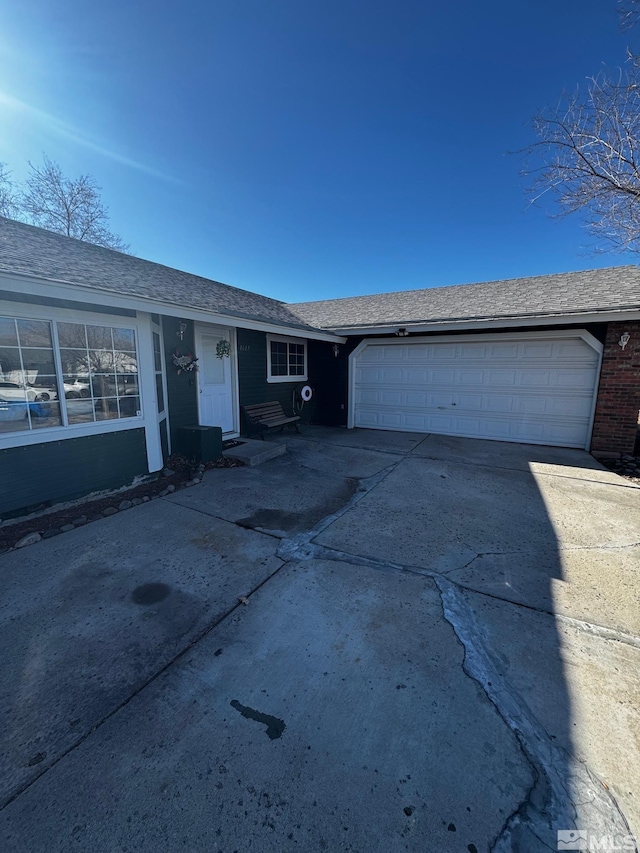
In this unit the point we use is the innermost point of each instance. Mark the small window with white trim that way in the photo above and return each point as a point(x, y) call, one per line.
point(286, 359)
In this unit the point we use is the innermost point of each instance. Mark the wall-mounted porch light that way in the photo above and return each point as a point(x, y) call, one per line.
point(181, 330)
point(336, 350)
point(624, 340)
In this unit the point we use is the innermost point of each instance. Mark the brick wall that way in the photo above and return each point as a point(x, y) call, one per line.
point(616, 418)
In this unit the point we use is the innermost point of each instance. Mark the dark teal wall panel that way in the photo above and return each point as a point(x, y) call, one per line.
point(182, 389)
point(330, 382)
point(63, 470)
point(252, 373)
point(327, 375)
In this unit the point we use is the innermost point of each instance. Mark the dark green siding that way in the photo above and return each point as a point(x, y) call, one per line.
point(329, 377)
point(325, 374)
point(64, 470)
point(252, 373)
point(182, 390)
point(164, 440)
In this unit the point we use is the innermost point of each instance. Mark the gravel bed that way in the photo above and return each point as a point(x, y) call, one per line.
point(180, 473)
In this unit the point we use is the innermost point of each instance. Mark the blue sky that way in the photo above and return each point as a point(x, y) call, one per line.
point(308, 150)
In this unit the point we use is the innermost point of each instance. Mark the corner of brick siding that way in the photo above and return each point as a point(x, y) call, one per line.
point(616, 418)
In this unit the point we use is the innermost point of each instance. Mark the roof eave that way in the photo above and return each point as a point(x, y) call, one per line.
point(93, 295)
point(604, 316)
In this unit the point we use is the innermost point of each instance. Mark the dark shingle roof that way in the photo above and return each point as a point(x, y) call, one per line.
point(593, 291)
point(32, 251)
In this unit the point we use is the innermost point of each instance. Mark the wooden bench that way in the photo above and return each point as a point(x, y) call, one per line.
point(263, 416)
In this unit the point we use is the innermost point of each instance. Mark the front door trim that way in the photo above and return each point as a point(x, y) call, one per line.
point(233, 364)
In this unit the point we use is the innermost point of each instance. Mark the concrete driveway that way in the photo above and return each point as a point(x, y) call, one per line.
point(439, 651)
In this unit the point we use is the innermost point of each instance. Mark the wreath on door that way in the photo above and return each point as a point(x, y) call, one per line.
point(223, 349)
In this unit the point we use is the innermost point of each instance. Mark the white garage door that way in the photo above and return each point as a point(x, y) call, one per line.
point(530, 388)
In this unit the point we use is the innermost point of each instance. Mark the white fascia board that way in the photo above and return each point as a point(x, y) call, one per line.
point(498, 323)
point(78, 293)
point(552, 334)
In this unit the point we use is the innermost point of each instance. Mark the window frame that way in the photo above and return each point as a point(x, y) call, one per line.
point(27, 311)
point(289, 377)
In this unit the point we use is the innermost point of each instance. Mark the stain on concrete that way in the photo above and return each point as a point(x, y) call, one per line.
point(275, 726)
point(207, 540)
point(271, 519)
point(150, 593)
point(288, 521)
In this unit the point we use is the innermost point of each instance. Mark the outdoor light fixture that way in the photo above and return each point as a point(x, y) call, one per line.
point(624, 340)
point(181, 331)
point(336, 350)
point(402, 333)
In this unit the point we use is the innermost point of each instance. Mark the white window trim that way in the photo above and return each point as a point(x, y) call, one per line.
point(144, 343)
point(288, 377)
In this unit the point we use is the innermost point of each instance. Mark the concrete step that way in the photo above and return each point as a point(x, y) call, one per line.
point(253, 452)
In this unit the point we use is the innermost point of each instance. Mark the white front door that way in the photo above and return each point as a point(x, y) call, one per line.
point(215, 378)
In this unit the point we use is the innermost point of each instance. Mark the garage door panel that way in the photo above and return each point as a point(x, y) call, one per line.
point(474, 352)
point(417, 399)
point(390, 419)
point(498, 403)
point(534, 378)
point(438, 352)
point(500, 377)
point(531, 405)
point(504, 351)
point(497, 429)
point(575, 350)
point(470, 401)
point(529, 390)
point(414, 376)
point(573, 407)
point(576, 379)
point(470, 377)
point(537, 350)
point(371, 353)
point(442, 377)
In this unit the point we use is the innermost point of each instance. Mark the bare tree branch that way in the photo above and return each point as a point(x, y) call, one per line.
point(8, 195)
point(69, 206)
point(629, 11)
point(587, 157)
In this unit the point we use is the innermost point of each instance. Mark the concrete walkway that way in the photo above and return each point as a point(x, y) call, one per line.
point(377, 642)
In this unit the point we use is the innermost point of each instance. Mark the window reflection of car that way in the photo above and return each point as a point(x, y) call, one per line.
point(12, 392)
point(13, 406)
point(74, 390)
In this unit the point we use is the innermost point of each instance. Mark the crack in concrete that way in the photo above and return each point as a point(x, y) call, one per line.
point(563, 792)
point(554, 551)
point(390, 451)
point(468, 463)
point(299, 549)
point(563, 784)
point(592, 628)
point(300, 542)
